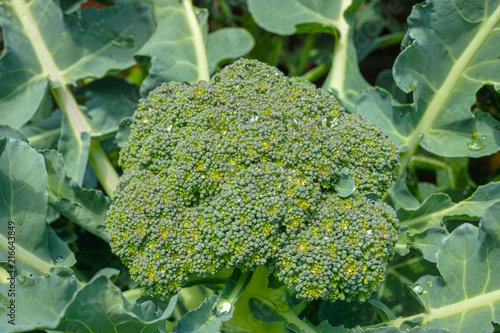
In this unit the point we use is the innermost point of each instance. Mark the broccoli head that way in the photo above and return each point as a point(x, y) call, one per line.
point(244, 171)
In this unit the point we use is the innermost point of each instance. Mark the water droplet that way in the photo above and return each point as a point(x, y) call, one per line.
point(418, 289)
point(483, 137)
point(28, 282)
point(329, 122)
point(4, 301)
point(266, 144)
point(222, 309)
point(475, 144)
point(169, 127)
point(19, 222)
point(59, 259)
point(253, 119)
point(222, 128)
point(217, 79)
point(124, 42)
point(21, 279)
point(420, 137)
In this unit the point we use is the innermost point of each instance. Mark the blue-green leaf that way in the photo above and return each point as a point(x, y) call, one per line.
point(467, 296)
point(23, 200)
point(181, 48)
point(447, 58)
point(109, 101)
point(227, 43)
point(43, 46)
point(87, 208)
point(202, 319)
point(437, 206)
point(337, 17)
point(56, 302)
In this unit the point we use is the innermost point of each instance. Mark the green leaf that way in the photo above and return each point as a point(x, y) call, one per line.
point(452, 49)
point(38, 302)
point(438, 206)
point(7, 131)
point(59, 303)
point(180, 50)
point(109, 101)
point(202, 319)
point(23, 200)
point(382, 310)
point(337, 17)
point(42, 46)
point(177, 49)
point(44, 133)
point(123, 131)
point(400, 194)
point(227, 43)
point(100, 307)
point(397, 121)
point(87, 208)
point(74, 147)
point(467, 297)
point(429, 242)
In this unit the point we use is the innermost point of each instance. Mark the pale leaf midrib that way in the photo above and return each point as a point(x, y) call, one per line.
point(33, 33)
point(49, 67)
point(25, 256)
point(476, 302)
point(338, 71)
point(443, 212)
point(199, 43)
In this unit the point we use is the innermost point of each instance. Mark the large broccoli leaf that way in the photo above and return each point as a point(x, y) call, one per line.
point(23, 201)
point(181, 48)
point(60, 303)
point(44, 48)
point(336, 17)
point(467, 297)
point(444, 67)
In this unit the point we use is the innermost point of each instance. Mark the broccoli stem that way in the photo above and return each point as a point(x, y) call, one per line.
point(304, 55)
point(242, 319)
point(289, 316)
point(220, 277)
point(235, 286)
point(105, 171)
point(316, 73)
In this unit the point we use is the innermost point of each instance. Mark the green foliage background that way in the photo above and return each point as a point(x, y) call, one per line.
point(71, 73)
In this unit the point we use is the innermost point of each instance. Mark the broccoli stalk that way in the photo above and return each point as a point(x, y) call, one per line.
point(254, 171)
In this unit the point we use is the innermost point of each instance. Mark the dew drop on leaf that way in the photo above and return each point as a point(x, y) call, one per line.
point(418, 289)
point(123, 42)
point(222, 309)
point(59, 259)
point(475, 144)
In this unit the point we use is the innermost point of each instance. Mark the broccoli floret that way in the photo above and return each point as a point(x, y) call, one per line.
point(240, 172)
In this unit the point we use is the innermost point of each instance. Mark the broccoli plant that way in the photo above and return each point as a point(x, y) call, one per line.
point(254, 169)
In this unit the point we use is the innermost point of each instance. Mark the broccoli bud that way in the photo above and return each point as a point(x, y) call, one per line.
point(242, 171)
